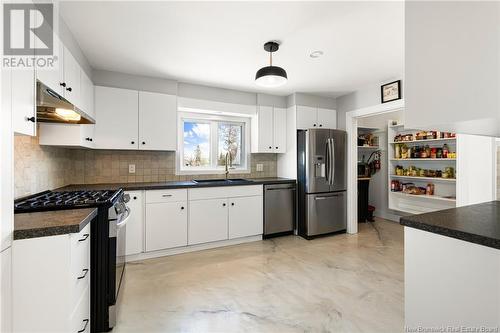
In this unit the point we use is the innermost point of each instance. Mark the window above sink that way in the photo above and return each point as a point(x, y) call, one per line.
point(205, 139)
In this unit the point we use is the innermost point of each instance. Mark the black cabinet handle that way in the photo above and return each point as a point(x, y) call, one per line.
point(232, 203)
point(320, 125)
point(85, 271)
point(182, 208)
point(143, 142)
point(223, 205)
point(135, 198)
point(132, 142)
point(62, 84)
point(270, 147)
point(85, 236)
point(32, 119)
point(88, 139)
point(86, 321)
point(91, 139)
point(314, 125)
point(276, 147)
point(69, 89)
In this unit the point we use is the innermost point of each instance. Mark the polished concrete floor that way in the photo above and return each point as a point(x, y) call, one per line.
point(341, 283)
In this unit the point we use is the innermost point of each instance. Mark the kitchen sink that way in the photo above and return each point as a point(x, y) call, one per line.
point(223, 180)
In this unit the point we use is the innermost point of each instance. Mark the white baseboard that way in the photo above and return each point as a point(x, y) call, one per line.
point(388, 216)
point(191, 248)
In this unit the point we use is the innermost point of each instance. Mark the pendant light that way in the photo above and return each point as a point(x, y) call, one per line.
point(271, 76)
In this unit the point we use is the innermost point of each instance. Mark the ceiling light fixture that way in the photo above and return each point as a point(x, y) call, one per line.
point(271, 76)
point(316, 54)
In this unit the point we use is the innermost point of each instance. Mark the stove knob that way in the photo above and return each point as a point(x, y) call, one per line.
point(126, 198)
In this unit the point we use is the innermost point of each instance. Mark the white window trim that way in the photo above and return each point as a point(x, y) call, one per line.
point(182, 116)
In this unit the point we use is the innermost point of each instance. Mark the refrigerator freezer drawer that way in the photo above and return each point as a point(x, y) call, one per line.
point(326, 213)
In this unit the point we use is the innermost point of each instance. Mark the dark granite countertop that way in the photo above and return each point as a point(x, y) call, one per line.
point(173, 184)
point(51, 223)
point(479, 224)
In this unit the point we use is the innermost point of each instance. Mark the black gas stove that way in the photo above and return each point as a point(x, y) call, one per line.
point(55, 200)
point(107, 250)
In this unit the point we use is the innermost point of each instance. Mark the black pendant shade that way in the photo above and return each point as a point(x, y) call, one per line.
point(271, 76)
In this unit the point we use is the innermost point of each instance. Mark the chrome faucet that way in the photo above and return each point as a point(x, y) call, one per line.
point(227, 163)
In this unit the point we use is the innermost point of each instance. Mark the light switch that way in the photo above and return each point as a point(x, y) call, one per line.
point(131, 168)
point(260, 167)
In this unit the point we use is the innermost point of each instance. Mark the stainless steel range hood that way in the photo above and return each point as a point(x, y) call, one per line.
point(53, 108)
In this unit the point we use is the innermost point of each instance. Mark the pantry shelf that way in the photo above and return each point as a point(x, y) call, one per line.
point(436, 179)
point(423, 159)
point(423, 196)
point(425, 140)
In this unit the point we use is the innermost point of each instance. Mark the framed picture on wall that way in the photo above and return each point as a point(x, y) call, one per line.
point(391, 91)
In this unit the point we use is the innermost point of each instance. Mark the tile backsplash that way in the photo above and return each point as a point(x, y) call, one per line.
point(39, 168)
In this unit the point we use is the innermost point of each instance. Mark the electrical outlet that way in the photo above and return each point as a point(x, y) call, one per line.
point(131, 168)
point(260, 167)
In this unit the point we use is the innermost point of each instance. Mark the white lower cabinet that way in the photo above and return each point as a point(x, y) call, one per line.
point(51, 283)
point(166, 225)
point(245, 217)
point(135, 225)
point(207, 221)
point(6, 290)
point(182, 217)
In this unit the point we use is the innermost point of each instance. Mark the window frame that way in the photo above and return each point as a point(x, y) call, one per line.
point(213, 120)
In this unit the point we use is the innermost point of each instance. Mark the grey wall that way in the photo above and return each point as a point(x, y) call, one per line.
point(216, 94)
point(315, 101)
point(366, 96)
point(272, 100)
point(69, 41)
point(134, 82)
point(452, 69)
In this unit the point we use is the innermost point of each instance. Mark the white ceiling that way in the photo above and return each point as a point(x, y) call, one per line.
point(221, 43)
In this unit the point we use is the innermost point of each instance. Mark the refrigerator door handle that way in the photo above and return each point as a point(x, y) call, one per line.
point(327, 197)
point(332, 162)
point(327, 162)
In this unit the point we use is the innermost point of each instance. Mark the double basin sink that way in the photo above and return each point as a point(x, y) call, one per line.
point(222, 181)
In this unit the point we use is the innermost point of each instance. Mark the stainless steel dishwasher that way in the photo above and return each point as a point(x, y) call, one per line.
point(279, 209)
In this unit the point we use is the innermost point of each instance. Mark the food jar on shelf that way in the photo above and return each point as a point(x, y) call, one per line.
point(430, 189)
point(445, 151)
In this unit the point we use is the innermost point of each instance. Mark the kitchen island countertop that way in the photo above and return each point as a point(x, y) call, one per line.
point(479, 224)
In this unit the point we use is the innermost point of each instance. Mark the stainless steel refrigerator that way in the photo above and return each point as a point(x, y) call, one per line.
point(322, 180)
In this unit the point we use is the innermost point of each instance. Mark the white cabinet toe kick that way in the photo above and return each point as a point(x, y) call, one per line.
point(173, 221)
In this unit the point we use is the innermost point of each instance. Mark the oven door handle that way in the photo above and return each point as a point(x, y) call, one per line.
point(125, 219)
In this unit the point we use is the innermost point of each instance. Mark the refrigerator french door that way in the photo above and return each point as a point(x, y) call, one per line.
point(322, 179)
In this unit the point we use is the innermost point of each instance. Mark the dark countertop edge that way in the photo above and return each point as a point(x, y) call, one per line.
point(179, 184)
point(452, 233)
point(54, 230)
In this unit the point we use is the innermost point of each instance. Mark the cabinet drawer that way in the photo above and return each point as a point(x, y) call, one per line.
point(224, 192)
point(155, 196)
point(80, 264)
point(80, 319)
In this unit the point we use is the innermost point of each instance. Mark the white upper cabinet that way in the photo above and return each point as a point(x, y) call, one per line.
point(66, 135)
point(23, 101)
point(87, 94)
point(269, 130)
point(279, 130)
point(71, 78)
point(327, 118)
point(53, 77)
point(157, 121)
point(307, 117)
point(116, 113)
point(455, 87)
point(312, 117)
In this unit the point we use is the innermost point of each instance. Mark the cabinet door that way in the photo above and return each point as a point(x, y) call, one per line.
point(23, 101)
point(327, 118)
point(116, 112)
point(265, 129)
point(157, 121)
point(7, 164)
point(53, 77)
point(166, 225)
point(245, 216)
point(87, 94)
point(207, 221)
point(279, 132)
point(71, 73)
point(6, 290)
point(307, 117)
point(135, 226)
